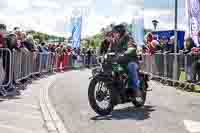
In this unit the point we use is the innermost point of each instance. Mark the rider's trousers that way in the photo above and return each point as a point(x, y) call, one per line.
point(133, 71)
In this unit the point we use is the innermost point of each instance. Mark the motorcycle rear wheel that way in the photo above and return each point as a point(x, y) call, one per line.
point(144, 87)
point(140, 104)
point(93, 101)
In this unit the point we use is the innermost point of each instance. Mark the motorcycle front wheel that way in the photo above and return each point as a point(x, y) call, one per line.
point(99, 92)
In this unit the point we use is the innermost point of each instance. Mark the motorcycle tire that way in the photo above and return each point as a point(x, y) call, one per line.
point(144, 94)
point(140, 104)
point(93, 103)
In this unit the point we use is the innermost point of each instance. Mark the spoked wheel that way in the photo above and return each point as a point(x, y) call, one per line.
point(100, 97)
point(140, 104)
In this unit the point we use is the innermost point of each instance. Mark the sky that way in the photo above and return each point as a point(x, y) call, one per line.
point(53, 16)
point(163, 11)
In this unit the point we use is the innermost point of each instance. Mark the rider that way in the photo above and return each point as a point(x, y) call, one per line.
point(124, 44)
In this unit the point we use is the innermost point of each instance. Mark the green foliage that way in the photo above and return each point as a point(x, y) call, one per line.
point(45, 37)
point(94, 41)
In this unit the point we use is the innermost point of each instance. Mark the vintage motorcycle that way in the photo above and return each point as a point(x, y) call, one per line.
point(109, 86)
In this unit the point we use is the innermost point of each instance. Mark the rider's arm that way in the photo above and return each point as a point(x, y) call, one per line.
point(130, 51)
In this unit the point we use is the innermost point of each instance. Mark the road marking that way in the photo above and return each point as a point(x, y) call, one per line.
point(36, 115)
point(23, 104)
point(52, 120)
point(15, 129)
point(192, 126)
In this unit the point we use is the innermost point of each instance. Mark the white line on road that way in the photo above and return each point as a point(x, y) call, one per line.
point(192, 126)
point(36, 107)
point(53, 122)
point(14, 129)
point(36, 115)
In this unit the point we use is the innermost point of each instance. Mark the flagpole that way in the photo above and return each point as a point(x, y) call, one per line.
point(175, 25)
point(81, 29)
point(176, 41)
point(187, 7)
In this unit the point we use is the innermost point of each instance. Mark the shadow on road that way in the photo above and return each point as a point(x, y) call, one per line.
point(128, 113)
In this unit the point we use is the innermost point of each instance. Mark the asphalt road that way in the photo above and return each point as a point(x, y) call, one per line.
point(166, 110)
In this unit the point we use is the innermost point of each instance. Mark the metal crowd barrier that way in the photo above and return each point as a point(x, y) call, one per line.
point(5, 67)
point(162, 66)
point(17, 65)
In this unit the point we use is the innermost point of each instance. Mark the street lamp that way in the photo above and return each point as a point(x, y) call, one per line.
point(155, 23)
point(175, 73)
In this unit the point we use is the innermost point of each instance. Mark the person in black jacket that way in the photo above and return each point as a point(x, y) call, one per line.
point(89, 54)
point(11, 44)
point(104, 47)
point(189, 44)
point(29, 43)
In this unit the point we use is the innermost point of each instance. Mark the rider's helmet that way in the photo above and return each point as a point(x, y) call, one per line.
point(120, 29)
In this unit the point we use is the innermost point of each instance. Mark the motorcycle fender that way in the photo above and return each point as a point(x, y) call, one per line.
point(101, 77)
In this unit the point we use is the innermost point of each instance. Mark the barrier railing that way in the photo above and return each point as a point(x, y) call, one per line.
point(5, 67)
point(17, 65)
point(162, 66)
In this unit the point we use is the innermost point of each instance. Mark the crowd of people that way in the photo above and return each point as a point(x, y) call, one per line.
point(19, 41)
point(164, 44)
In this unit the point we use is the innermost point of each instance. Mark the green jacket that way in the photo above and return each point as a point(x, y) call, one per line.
point(130, 52)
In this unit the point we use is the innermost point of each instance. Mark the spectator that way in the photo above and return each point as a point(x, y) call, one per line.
point(196, 71)
point(53, 48)
point(152, 46)
point(149, 38)
point(49, 47)
point(189, 44)
point(65, 59)
point(42, 48)
point(29, 43)
point(74, 56)
point(39, 47)
point(60, 53)
point(89, 54)
point(83, 51)
point(2, 43)
point(4, 56)
point(169, 47)
point(104, 46)
point(11, 43)
point(46, 48)
point(144, 49)
point(162, 43)
point(74, 52)
point(199, 38)
point(2, 35)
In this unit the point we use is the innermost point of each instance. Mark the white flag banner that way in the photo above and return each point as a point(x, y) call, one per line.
point(193, 12)
point(138, 29)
